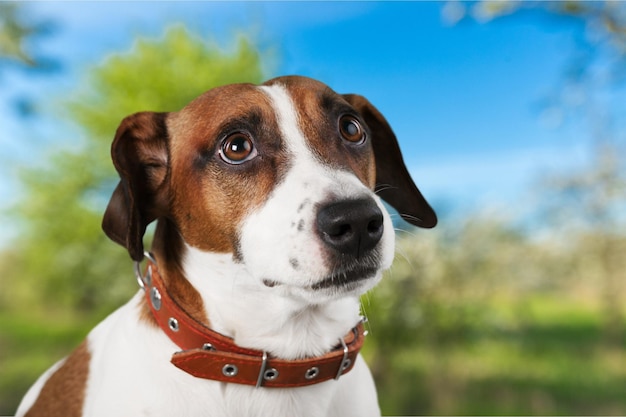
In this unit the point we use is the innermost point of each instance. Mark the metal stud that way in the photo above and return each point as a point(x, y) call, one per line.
point(230, 370)
point(312, 373)
point(155, 298)
point(173, 323)
point(271, 374)
point(208, 346)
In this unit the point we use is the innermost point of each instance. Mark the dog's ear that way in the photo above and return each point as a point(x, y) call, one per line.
point(393, 181)
point(140, 155)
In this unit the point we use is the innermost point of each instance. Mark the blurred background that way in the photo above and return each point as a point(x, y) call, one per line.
point(511, 116)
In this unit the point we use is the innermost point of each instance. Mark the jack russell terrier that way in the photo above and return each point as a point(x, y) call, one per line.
point(270, 227)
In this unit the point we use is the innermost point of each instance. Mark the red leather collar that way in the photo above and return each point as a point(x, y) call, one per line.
point(211, 355)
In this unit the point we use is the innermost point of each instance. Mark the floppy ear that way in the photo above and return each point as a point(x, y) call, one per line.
point(140, 155)
point(393, 182)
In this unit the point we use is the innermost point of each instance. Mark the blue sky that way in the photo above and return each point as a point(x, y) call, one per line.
point(463, 99)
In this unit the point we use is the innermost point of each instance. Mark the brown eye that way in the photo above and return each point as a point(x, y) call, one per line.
point(237, 148)
point(351, 130)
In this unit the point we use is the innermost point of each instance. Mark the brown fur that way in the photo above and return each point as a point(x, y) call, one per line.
point(67, 383)
point(211, 197)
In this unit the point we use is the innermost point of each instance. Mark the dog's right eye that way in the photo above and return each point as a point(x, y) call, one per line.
point(237, 148)
point(351, 129)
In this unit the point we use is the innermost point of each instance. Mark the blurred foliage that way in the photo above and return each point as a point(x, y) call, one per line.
point(17, 33)
point(608, 17)
point(495, 320)
point(591, 205)
point(21, 39)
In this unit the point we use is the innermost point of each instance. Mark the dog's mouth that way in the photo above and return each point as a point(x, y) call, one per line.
point(348, 278)
point(345, 278)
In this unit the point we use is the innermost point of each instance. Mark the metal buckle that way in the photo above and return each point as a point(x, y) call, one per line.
point(266, 374)
point(144, 281)
point(345, 362)
point(259, 380)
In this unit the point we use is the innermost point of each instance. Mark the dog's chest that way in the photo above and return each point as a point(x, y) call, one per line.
point(131, 364)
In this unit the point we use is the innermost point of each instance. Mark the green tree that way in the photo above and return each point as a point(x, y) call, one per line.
point(62, 259)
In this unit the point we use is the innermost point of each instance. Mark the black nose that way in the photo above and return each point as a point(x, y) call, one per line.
point(351, 227)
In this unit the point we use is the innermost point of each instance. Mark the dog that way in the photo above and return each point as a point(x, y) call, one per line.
point(270, 225)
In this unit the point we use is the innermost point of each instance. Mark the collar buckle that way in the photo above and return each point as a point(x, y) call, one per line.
point(144, 280)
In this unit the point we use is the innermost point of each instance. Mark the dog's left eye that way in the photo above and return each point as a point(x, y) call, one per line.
point(237, 148)
point(351, 130)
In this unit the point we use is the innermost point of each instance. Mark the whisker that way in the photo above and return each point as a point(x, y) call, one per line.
point(408, 232)
point(383, 187)
point(407, 258)
point(406, 217)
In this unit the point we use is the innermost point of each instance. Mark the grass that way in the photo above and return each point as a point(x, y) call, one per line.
point(539, 356)
point(536, 355)
point(30, 345)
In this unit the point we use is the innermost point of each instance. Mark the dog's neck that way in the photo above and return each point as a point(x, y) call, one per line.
point(218, 291)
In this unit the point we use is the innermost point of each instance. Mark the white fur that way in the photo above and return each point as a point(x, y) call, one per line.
point(130, 373)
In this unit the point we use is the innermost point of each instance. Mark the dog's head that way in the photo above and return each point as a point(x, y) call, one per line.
point(285, 176)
